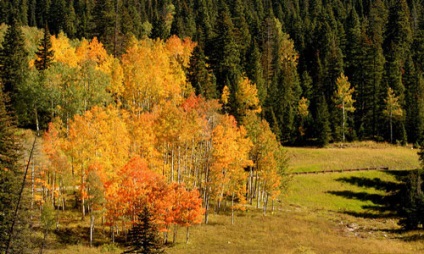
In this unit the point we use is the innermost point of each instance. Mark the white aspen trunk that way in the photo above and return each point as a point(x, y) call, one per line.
point(91, 228)
point(258, 196)
point(37, 124)
point(232, 209)
point(62, 190)
point(174, 236)
point(187, 234)
point(172, 164)
point(206, 209)
point(54, 189)
point(250, 186)
point(179, 165)
point(82, 193)
point(256, 182)
point(265, 203)
point(391, 127)
point(344, 120)
point(165, 237)
point(165, 159)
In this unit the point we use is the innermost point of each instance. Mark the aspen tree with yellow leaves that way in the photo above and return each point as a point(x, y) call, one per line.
point(343, 99)
point(393, 110)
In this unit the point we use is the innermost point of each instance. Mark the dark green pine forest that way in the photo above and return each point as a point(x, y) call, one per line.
point(295, 51)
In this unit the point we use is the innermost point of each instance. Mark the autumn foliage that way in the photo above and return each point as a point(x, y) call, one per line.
point(139, 137)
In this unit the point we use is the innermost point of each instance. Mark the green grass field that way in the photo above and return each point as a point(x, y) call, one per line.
point(320, 213)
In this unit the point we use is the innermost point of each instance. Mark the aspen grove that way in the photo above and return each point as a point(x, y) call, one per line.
point(130, 133)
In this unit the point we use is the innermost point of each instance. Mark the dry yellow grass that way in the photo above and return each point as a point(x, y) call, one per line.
point(292, 230)
point(355, 155)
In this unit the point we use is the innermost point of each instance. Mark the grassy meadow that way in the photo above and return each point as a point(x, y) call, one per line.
point(352, 155)
point(350, 212)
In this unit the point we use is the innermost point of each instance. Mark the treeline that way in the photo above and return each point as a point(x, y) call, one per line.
point(293, 51)
point(128, 134)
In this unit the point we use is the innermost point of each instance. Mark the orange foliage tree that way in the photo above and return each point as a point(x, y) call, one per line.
point(140, 187)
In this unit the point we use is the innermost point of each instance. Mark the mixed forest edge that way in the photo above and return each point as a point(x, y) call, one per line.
point(195, 98)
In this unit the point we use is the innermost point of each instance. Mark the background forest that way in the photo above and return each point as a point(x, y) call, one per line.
point(293, 51)
point(194, 98)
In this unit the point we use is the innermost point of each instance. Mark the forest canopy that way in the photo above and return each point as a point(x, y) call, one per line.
point(294, 51)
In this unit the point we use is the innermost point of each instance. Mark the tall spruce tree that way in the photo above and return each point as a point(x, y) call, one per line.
point(414, 102)
point(226, 55)
point(375, 62)
point(200, 76)
point(13, 64)
point(397, 43)
point(44, 53)
point(106, 24)
point(322, 123)
point(285, 90)
point(144, 235)
point(83, 11)
point(42, 8)
point(57, 16)
point(412, 197)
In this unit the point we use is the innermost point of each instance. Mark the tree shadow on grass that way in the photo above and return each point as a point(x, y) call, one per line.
point(413, 237)
point(383, 205)
point(81, 235)
point(71, 235)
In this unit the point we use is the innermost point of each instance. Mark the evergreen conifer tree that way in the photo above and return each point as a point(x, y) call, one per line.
point(11, 238)
point(45, 53)
point(412, 197)
point(13, 64)
point(322, 123)
point(144, 235)
point(200, 76)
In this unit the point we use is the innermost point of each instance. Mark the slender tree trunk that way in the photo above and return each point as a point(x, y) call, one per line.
point(258, 196)
point(43, 244)
point(187, 234)
point(165, 237)
point(179, 165)
point(112, 231)
point(91, 227)
point(206, 207)
point(265, 203)
point(174, 236)
point(54, 188)
point(82, 193)
point(250, 185)
point(344, 122)
point(391, 128)
point(37, 124)
point(172, 164)
point(232, 209)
